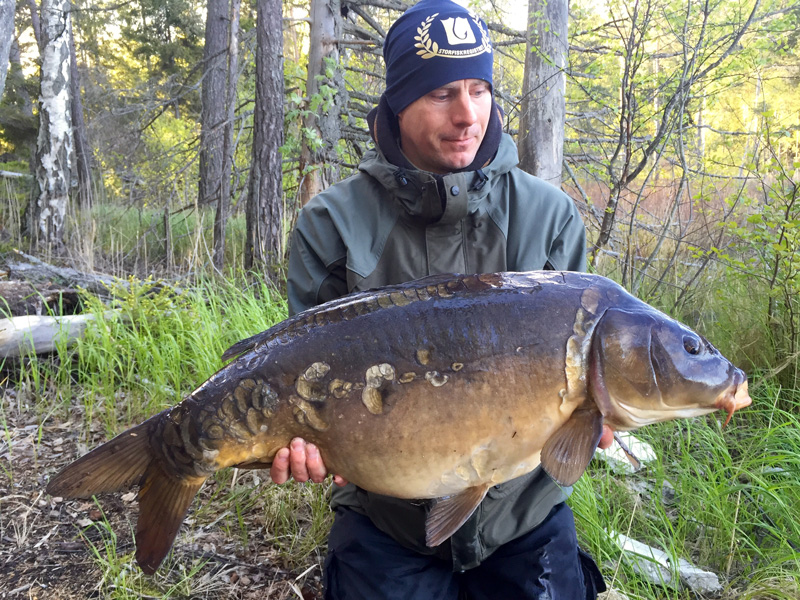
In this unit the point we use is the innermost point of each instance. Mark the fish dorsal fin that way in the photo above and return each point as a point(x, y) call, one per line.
point(353, 305)
point(567, 453)
point(450, 513)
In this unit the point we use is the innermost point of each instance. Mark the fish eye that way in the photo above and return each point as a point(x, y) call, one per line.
point(692, 344)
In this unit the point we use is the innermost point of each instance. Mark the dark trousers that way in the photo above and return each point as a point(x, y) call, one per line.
point(364, 563)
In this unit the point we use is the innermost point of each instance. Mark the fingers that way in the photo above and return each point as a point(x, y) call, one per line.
point(314, 465)
point(279, 471)
point(339, 480)
point(297, 460)
point(607, 438)
point(300, 460)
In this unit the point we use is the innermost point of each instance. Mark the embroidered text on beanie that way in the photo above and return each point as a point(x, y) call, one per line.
point(432, 44)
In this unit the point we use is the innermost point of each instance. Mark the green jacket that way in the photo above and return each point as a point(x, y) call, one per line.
point(388, 225)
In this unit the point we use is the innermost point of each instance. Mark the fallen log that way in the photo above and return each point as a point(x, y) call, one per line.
point(21, 266)
point(20, 336)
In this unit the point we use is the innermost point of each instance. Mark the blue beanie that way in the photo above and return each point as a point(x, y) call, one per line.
point(433, 43)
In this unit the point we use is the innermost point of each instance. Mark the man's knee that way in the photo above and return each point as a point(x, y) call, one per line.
point(365, 563)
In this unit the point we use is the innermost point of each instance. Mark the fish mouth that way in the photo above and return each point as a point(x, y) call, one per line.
point(735, 397)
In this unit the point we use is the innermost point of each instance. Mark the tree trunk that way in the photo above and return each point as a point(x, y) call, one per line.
point(212, 112)
point(264, 246)
point(83, 153)
point(7, 9)
point(54, 148)
point(541, 141)
point(224, 203)
point(325, 100)
point(36, 24)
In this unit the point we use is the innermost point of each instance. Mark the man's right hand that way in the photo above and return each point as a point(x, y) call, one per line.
point(301, 461)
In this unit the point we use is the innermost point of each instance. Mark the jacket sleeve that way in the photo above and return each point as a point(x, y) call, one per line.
point(568, 248)
point(545, 230)
point(317, 258)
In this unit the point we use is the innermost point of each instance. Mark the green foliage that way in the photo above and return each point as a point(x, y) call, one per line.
point(18, 125)
point(168, 33)
point(764, 252)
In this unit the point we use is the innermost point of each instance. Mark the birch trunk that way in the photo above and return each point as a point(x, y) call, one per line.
point(54, 148)
point(264, 246)
point(541, 140)
point(7, 9)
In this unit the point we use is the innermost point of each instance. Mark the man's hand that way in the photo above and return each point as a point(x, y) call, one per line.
point(301, 461)
point(607, 438)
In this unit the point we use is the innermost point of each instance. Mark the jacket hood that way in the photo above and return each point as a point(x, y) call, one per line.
point(425, 196)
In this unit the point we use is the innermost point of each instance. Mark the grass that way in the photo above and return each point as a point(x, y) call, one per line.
point(735, 506)
point(734, 510)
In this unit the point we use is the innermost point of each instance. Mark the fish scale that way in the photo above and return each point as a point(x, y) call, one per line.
point(439, 388)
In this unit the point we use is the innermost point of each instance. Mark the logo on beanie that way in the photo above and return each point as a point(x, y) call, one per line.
point(458, 32)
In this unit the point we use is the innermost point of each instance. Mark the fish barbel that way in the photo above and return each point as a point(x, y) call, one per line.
point(437, 388)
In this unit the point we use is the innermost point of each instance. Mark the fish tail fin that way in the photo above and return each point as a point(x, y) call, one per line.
point(164, 501)
point(116, 465)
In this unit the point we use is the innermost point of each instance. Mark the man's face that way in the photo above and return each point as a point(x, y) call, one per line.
point(442, 131)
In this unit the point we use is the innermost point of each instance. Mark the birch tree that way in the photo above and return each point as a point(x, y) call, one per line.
point(264, 245)
point(54, 148)
point(7, 9)
point(541, 139)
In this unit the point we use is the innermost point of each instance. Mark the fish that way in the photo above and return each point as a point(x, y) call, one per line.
point(438, 388)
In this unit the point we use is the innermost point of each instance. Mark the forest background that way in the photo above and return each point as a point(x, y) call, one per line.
point(145, 139)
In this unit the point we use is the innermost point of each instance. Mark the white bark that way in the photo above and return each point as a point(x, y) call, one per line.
point(7, 8)
point(20, 336)
point(55, 149)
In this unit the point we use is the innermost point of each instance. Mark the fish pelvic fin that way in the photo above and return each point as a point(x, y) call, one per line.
point(567, 452)
point(116, 465)
point(450, 513)
point(164, 501)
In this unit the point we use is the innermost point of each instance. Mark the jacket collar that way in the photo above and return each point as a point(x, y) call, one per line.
point(428, 197)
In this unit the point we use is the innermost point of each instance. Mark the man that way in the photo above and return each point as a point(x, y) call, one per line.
point(440, 193)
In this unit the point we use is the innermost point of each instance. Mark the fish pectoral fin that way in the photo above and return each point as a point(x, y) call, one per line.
point(163, 503)
point(450, 513)
point(567, 453)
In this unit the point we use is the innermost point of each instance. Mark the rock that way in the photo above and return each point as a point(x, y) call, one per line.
point(620, 463)
point(658, 567)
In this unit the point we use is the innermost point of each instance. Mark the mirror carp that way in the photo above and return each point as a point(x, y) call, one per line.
point(437, 388)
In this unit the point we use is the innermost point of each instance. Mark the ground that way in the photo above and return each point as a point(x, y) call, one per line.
point(48, 544)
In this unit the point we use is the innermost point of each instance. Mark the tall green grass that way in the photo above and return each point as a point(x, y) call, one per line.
point(735, 509)
point(133, 239)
